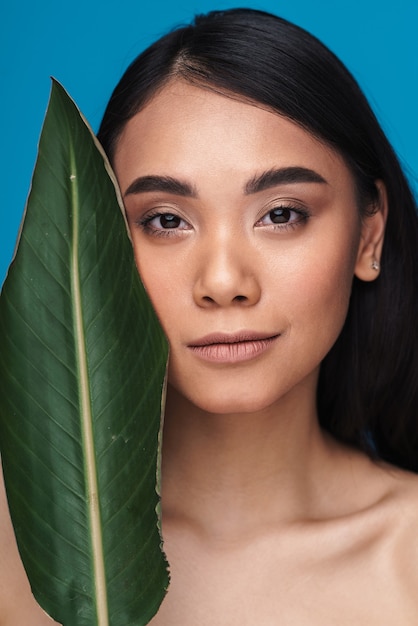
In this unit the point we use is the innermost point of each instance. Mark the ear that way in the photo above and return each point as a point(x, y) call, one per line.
point(367, 266)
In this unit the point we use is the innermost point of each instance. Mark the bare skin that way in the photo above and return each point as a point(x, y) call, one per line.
point(264, 534)
point(17, 604)
point(352, 561)
point(266, 519)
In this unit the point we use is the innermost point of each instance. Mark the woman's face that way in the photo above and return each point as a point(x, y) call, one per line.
point(246, 235)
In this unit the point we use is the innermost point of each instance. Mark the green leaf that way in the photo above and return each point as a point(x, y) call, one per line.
point(82, 367)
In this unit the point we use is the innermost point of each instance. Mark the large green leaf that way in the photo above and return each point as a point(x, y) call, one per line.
point(82, 365)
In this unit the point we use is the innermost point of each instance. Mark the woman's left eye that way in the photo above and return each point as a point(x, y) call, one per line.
point(283, 217)
point(163, 224)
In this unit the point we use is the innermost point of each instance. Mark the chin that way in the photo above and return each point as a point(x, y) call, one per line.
point(224, 402)
point(231, 405)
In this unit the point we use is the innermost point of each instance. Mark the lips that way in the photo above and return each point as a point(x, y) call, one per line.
point(232, 348)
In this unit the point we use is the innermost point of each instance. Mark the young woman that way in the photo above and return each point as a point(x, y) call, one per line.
point(277, 238)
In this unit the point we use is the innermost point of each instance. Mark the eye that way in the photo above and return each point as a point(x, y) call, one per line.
point(284, 217)
point(166, 220)
point(162, 223)
point(279, 216)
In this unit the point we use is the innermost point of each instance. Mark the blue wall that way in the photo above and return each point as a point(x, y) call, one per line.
point(87, 44)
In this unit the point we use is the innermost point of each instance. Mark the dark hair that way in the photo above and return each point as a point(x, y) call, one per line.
point(368, 386)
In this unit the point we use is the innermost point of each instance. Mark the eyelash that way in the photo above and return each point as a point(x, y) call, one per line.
point(302, 216)
point(145, 222)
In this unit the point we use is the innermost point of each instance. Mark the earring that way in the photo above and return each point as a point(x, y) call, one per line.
point(375, 265)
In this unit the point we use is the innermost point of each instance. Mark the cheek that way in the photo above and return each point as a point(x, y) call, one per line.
point(323, 294)
point(163, 285)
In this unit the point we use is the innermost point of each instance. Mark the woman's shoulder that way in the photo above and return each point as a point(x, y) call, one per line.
point(17, 604)
point(402, 533)
point(400, 504)
point(395, 515)
point(372, 544)
point(399, 494)
point(390, 498)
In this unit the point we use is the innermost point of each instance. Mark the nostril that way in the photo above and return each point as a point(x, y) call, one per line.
point(240, 298)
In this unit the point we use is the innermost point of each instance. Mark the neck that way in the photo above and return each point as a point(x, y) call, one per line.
point(220, 470)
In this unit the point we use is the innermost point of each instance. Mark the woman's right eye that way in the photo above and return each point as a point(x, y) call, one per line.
point(163, 224)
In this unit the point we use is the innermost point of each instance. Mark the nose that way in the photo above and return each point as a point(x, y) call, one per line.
point(226, 275)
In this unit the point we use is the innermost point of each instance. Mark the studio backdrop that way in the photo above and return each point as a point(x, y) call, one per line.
point(87, 44)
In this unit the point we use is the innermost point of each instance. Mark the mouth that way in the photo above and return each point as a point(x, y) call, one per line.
point(232, 348)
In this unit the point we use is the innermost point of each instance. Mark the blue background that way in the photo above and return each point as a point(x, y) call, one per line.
point(87, 45)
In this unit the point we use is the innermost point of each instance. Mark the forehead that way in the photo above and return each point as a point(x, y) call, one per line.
point(185, 130)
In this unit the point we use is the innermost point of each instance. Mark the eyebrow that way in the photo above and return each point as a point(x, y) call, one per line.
point(282, 176)
point(161, 183)
point(266, 180)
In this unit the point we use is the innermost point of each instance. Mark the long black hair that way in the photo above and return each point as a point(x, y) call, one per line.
point(368, 386)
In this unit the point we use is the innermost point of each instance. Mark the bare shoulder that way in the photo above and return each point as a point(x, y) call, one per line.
point(396, 514)
point(18, 606)
point(373, 546)
point(389, 498)
point(400, 506)
point(397, 493)
point(372, 542)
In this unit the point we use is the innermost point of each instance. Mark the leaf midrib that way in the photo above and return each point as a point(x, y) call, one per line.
point(86, 414)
